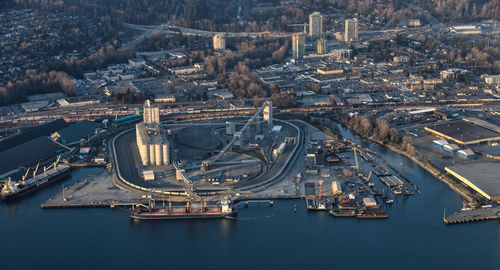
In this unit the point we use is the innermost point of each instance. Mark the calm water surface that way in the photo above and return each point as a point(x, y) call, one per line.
point(414, 236)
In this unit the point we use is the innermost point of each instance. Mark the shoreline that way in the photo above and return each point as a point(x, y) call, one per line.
point(430, 168)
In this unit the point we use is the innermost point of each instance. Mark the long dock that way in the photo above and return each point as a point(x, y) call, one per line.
point(479, 214)
point(93, 192)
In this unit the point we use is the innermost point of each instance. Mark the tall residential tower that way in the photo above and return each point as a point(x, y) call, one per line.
point(298, 45)
point(351, 30)
point(321, 46)
point(219, 42)
point(315, 25)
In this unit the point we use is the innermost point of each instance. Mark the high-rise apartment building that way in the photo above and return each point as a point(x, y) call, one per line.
point(321, 46)
point(315, 25)
point(219, 42)
point(351, 30)
point(298, 45)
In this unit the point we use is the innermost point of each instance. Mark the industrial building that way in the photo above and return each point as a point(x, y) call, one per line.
point(79, 131)
point(336, 188)
point(129, 119)
point(26, 154)
point(298, 46)
point(315, 25)
point(78, 101)
point(463, 133)
point(481, 177)
point(369, 202)
point(230, 128)
point(152, 143)
point(151, 113)
point(219, 42)
point(351, 30)
point(33, 133)
point(492, 79)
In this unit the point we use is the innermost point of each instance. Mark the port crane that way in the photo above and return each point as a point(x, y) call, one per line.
point(369, 176)
point(356, 159)
point(267, 112)
point(24, 176)
point(320, 186)
point(36, 169)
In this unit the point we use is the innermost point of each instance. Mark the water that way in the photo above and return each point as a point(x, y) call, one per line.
point(414, 236)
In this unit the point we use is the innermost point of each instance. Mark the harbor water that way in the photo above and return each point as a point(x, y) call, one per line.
point(261, 237)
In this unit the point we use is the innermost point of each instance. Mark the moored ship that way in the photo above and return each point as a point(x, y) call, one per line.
point(15, 189)
point(372, 213)
point(227, 209)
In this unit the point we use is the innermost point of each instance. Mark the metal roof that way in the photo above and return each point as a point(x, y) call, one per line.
point(77, 131)
point(27, 153)
point(33, 133)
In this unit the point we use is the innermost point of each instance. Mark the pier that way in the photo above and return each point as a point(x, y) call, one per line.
point(473, 215)
point(93, 192)
point(385, 163)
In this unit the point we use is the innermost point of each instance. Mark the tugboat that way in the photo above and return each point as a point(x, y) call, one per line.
point(227, 209)
point(388, 199)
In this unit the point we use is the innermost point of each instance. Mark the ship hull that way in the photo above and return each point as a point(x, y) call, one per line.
point(166, 216)
point(34, 188)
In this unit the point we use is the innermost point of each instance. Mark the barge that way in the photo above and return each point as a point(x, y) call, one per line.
point(372, 213)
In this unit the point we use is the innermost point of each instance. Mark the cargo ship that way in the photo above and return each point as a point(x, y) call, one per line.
point(15, 189)
point(227, 209)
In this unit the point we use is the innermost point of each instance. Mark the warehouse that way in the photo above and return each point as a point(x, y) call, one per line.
point(481, 177)
point(463, 133)
point(81, 130)
point(27, 153)
point(33, 133)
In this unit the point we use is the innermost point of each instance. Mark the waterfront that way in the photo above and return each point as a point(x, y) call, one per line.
point(413, 237)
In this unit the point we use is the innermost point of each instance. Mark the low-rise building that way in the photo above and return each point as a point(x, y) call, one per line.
point(492, 79)
point(77, 101)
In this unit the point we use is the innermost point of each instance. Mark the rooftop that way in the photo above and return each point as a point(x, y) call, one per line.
point(26, 153)
point(77, 131)
point(32, 133)
point(463, 132)
point(482, 177)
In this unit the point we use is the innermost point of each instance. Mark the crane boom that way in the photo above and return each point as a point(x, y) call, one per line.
point(36, 169)
point(369, 175)
point(320, 186)
point(356, 158)
point(24, 177)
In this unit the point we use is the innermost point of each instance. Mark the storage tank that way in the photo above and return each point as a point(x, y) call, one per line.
point(144, 151)
point(166, 156)
point(152, 155)
point(158, 155)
